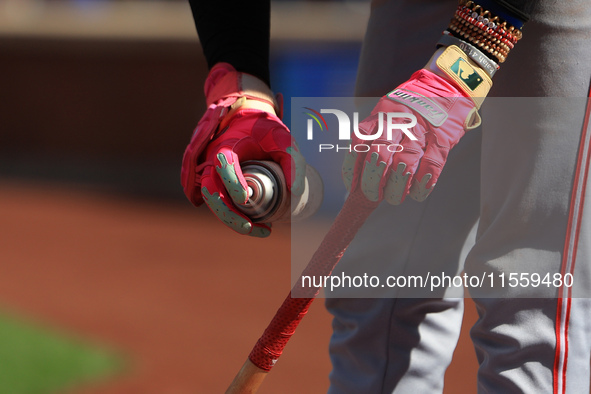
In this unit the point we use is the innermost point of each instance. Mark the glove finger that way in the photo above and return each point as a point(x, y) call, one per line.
point(371, 177)
point(429, 169)
point(397, 184)
point(221, 205)
point(352, 169)
point(190, 174)
point(419, 190)
point(227, 167)
point(348, 169)
point(377, 158)
point(260, 230)
point(297, 170)
point(404, 165)
point(293, 165)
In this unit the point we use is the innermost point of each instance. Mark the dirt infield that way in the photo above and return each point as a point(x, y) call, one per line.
point(184, 298)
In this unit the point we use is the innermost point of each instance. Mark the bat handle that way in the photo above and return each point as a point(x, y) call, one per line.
point(247, 380)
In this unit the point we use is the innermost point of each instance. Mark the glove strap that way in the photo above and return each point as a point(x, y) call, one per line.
point(473, 53)
point(454, 65)
point(224, 82)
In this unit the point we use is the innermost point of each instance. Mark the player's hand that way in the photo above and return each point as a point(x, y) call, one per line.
point(242, 123)
point(438, 105)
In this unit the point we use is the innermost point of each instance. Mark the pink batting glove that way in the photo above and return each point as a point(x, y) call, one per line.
point(240, 124)
point(443, 98)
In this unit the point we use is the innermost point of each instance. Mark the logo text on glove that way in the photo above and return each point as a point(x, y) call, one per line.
point(428, 108)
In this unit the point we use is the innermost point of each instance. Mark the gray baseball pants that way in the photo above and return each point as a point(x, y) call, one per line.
point(509, 200)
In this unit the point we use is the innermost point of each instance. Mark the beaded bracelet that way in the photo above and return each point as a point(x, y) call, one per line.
point(492, 21)
point(489, 33)
point(478, 40)
point(497, 32)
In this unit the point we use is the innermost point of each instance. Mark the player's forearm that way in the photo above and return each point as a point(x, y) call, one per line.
point(235, 32)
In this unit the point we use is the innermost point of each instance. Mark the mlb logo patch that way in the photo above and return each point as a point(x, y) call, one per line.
point(466, 73)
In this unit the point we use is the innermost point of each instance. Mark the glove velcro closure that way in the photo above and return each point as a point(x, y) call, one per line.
point(465, 73)
point(224, 81)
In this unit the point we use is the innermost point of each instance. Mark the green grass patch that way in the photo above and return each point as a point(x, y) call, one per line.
point(38, 360)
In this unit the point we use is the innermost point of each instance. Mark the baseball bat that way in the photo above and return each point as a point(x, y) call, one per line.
point(270, 345)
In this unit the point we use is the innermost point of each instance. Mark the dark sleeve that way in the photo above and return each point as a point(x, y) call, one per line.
point(516, 11)
point(235, 32)
point(521, 8)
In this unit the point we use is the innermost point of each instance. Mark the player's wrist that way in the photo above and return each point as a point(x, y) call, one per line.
point(224, 85)
point(455, 66)
point(249, 103)
point(476, 41)
point(245, 103)
point(489, 65)
point(238, 91)
point(254, 93)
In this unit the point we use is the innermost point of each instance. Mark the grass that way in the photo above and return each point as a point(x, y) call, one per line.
point(37, 360)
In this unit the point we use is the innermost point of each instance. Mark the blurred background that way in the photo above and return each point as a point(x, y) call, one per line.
point(110, 282)
point(108, 92)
